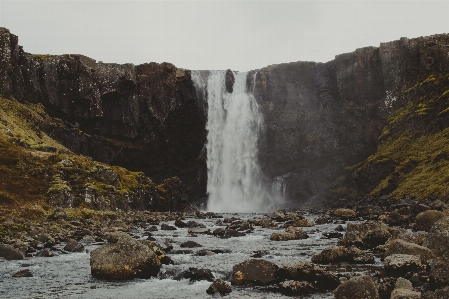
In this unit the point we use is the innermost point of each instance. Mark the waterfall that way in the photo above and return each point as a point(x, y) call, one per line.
point(234, 123)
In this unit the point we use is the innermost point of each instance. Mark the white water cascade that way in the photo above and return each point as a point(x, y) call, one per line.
point(234, 123)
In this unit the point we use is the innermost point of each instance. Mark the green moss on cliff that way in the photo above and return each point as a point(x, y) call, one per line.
point(415, 144)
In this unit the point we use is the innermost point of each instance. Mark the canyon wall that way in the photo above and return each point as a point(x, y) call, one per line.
point(319, 118)
point(144, 118)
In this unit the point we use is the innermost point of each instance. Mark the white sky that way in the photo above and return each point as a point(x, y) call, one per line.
point(241, 35)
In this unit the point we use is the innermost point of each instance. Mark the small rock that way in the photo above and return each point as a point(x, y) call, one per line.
point(73, 246)
point(332, 235)
point(9, 132)
point(345, 214)
point(291, 233)
point(196, 231)
point(195, 274)
point(219, 231)
point(180, 223)
point(229, 233)
point(339, 228)
point(167, 227)
point(323, 219)
point(205, 252)
point(45, 253)
point(152, 228)
point(219, 286)
point(190, 244)
point(23, 273)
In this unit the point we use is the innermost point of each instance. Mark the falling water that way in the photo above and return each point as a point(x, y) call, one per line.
point(234, 123)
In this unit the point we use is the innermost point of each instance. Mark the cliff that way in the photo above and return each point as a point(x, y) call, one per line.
point(321, 118)
point(144, 118)
point(347, 128)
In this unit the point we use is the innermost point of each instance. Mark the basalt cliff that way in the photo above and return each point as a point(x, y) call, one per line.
point(368, 123)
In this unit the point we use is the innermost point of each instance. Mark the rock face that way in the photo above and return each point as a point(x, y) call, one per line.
point(123, 258)
point(144, 118)
point(361, 287)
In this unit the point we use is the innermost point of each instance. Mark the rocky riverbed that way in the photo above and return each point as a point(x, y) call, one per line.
point(389, 250)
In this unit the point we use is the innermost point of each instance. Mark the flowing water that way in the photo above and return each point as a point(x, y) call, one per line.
point(234, 123)
point(68, 275)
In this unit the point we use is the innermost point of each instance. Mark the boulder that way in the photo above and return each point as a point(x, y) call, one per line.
point(296, 288)
point(398, 265)
point(365, 235)
point(425, 220)
point(73, 246)
point(305, 271)
point(399, 217)
point(180, 223)
point(167, 227)
point(303, 223)
point(23, 273)
point(345, 214)
point(336, 254)
point(438, 237)
point(219, 286)
point(323, 219)
point(437, 294)
point(195, 274)
point(398, 246)
point(9, 253)
point(404, 290)
point(255, 272)
point(190, 244)
point(229, 233)
point(45, 253)
point(361, 287)
point(291, 233)
point(123, 258)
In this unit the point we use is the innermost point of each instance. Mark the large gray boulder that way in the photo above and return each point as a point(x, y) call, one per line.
point(124, 258)
point(361, 287)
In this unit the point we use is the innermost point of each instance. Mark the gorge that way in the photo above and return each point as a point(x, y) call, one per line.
point(323, 123)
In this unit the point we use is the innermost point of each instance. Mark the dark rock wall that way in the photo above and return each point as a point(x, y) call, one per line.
point(323, 117)
point(144, 117)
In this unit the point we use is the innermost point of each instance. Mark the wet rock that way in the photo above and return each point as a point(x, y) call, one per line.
point(296, 288)
point(402, 247)
point(194, 224)
point(9, 253)
point(180, 223)
point(418, 237)
point(229, 233)
point(332, 235)
point(45, 253)
point(168, 245)
point(219, 287)
point(255, 272)
point(167, 227)
point(241, 226)
point(323, 219)
point(339, 228)
point(398, 265)
point(181, 251)
point(361, 287)
point(87, 240)
point(44, 238)
point(304, 271)
point(159, 251)
point(425, 220)
point(345, 214)
point(336, 254)
point(190, 244)
point(205, 252)
point(23, 273)
point(385, 286)
point(404, 290)
point(291, 233)
point(152, 228)
point(73, 246)
point(265, 223)
point(399, 217)
point(196, 231)
point(303, 223)
point(219, 231)
point(195, 274)
point(438, 238)
point(260, 253)
point(365, 235)
point(125, 258)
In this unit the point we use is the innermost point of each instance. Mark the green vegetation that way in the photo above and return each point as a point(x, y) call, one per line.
point(415, 143)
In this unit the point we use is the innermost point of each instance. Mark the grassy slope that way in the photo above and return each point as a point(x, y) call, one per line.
point(30, 162)
point(415, 141)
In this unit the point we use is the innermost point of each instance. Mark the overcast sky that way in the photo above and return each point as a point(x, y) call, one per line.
point(241, 35)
